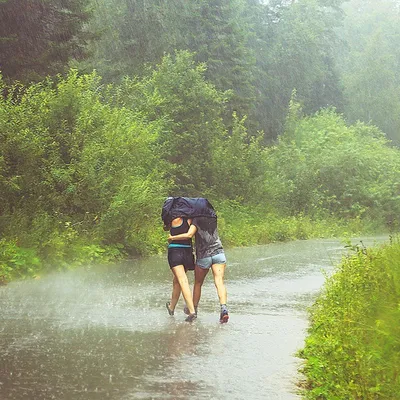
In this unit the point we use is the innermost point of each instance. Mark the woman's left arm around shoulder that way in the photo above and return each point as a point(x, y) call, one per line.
point(188, 235)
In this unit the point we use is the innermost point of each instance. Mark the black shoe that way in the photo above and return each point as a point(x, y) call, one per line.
point(170, 312)
point(190, 317)
point(224, 316)
point(187, 312)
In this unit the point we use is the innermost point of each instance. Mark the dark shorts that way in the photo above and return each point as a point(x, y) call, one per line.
point(181, 256)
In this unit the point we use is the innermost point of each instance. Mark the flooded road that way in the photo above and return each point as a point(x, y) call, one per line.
point(106, 334)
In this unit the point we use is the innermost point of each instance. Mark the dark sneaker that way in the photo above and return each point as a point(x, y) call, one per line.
point(187, 312)
point(170, 312)
point(224, 317)
point(190, 317)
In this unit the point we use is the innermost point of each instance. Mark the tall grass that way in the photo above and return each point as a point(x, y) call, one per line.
point(352, 350)
point(241, 225)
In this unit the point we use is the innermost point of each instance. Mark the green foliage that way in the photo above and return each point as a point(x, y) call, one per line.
point(335, 53)
point(85, 168)
point(352, 348)
point(241, 225)
point(295, 50)
point(67, 248)
point(238, 165)
point(38, 37)
point(16, 262)
point(176, 95)
point(322, 165)
point(369, 64)
point(260, 52)
point(132, 34)
point(218, 32)
point(66, 161)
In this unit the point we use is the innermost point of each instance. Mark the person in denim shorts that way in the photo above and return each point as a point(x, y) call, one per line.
point(209, 254)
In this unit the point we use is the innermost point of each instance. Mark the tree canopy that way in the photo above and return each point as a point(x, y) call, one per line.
point(39, 37)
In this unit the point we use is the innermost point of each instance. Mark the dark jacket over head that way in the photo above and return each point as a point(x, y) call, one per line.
point(189, 207)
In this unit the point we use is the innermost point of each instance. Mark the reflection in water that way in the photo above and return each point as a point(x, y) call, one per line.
point(86, 362)
point(105, 334)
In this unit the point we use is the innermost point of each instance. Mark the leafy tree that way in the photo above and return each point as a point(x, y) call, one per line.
point(133, 33)
point(323, 165)
point(370, 64)
point(73, 166)
point(296, 52)
point(39, 37)
point(239, 165)
point(190, 109)
point(219, 33)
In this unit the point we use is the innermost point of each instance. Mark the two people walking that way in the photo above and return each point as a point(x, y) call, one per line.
point(187, 218)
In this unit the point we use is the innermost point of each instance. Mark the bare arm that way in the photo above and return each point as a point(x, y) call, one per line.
point(188, 235)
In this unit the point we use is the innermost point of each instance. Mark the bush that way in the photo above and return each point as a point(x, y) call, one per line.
point(322, 165)
point(17, 262)
point(353, 347)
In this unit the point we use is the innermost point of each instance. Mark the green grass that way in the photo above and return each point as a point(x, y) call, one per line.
point(237, 229)
point(46, 250)
point(245, 226)
point(352, 350)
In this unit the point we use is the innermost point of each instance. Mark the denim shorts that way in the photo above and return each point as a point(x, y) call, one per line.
point(207, 262)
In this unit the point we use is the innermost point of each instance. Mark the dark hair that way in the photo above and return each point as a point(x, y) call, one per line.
point(167, 227)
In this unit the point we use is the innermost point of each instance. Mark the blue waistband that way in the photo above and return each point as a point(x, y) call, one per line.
point(171, 245)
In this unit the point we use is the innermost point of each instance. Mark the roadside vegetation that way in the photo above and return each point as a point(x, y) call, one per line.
point(265, 108)
point(352, 350)
point(85, 168)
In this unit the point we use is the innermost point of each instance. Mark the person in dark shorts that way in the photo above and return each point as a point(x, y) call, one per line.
point(181, 259)
point(209, 254)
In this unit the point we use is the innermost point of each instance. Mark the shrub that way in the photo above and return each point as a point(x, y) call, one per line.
point(352, 348)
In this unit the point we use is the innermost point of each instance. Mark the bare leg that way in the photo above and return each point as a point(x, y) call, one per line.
point(199, 276)
point(218, 272)
point(176, 292)
point(181, 277)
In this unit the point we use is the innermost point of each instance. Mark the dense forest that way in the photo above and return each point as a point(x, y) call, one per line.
point(285, 114)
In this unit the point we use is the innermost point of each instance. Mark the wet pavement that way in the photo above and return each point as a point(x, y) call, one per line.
point(104, 333)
